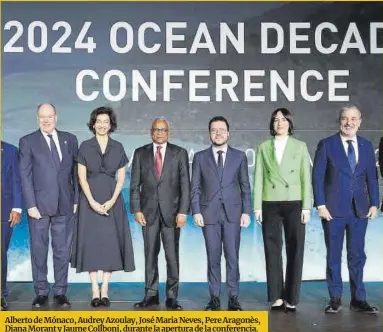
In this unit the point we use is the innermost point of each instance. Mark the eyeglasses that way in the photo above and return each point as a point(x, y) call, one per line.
point(160, 130)
point(218, 131)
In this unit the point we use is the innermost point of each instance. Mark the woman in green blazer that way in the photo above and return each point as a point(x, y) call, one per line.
point(282, 198)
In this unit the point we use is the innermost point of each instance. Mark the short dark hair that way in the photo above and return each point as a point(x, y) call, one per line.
point(103, 110)
point(287, 114)
point(219, 118)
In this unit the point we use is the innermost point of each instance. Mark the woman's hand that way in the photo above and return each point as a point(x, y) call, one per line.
point(97, 207)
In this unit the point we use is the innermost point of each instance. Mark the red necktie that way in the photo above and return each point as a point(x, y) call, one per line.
point(158, 161)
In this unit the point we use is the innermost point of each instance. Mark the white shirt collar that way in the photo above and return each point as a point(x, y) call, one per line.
point(345, 139)
point(281, 139)
point(54, 133)
point(220, 148)
point(163, 146)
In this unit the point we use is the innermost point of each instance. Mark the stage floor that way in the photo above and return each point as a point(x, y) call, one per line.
point(193, 296)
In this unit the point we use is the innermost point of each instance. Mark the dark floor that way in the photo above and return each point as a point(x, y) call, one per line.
point(193, 296)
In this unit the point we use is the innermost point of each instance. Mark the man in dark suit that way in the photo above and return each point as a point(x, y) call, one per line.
point(221, 204)
point(50, 190)
point(381, 162)
point(10, 208)
point(346, 194)
point(160, 201)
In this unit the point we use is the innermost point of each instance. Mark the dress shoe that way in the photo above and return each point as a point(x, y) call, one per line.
point(105, 302)
point(290, 309)
point(4, 304)
point(40, 301)
point(334, 306)
point(148, 301)
point(234, 304)
point(96, 302)
point(363, 307)
point(214, 304)
point(173, 304)
point(280, 307)
point(61, 300)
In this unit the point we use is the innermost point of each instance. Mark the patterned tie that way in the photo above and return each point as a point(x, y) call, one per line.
point(158, 161)
point(220, 164)
point(351, 155)
point(54, 151)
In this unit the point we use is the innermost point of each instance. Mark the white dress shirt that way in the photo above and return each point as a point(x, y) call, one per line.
point(55, 139)
point(215, 153)
point(163, 151)
point(354, 144)
point(279, 146)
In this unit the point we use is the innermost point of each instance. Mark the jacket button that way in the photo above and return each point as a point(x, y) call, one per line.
point(273, 186)
point(292, 171)
point(287, 185)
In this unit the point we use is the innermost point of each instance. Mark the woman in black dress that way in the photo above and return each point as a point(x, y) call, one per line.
point(102, 239)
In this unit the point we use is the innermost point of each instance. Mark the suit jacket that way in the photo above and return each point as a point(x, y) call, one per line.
point(289, 181)
point(381, 156)
point(209, 192)
point(334, 183)
point(11, 196)
point(171, 192)
point(43, 185)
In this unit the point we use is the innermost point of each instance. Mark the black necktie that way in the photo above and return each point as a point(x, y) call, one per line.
point(220, 164)
point(54, 151)
point(351, 155)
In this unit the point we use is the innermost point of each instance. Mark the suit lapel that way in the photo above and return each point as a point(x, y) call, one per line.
point(212, 161)
point(361, 152)
point(343, 159)
point(167, 160)
point(272, 157)
point(63, 147)
point(150, 160)
point(45, 147)
point(228, 161)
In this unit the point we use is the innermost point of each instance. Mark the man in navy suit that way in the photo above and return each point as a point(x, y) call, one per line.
point(10, 208)
point(221, 205)
point(50, 190)
point(346, 194)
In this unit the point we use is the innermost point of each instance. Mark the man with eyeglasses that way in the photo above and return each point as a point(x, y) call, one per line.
point(221, 205)
point(346, 194)
point(160, 201)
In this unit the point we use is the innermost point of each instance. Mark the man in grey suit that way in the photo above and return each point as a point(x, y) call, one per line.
point(160, 201)
point(221, 205)
point(50, 189)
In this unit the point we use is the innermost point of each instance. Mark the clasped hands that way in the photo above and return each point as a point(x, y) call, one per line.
point(102, 208)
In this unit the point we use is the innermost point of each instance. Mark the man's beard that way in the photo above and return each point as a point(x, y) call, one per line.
point(219, 144)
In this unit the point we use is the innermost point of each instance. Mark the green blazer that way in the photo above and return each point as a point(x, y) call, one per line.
point(289, 181)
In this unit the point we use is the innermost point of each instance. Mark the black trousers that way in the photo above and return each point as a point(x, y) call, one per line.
point(275, 215)
point(170, 236)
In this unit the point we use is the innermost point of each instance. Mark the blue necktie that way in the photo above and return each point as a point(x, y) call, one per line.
point(220, 164)
point(54, 151)
point(351, 155)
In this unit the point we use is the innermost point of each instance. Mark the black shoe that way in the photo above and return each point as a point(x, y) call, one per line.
point(40, 301)
point(363, 306)
point(280, 307)
point(61, 300)
point(290, 309)
point(96, 302)
point(173, 304)
point(148, 301)
point(4, 304)
point(334, 306)
point(234, 304)
point(105, 302)
point(214, 304)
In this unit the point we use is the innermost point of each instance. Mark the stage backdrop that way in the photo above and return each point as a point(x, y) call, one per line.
point(36, 69)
